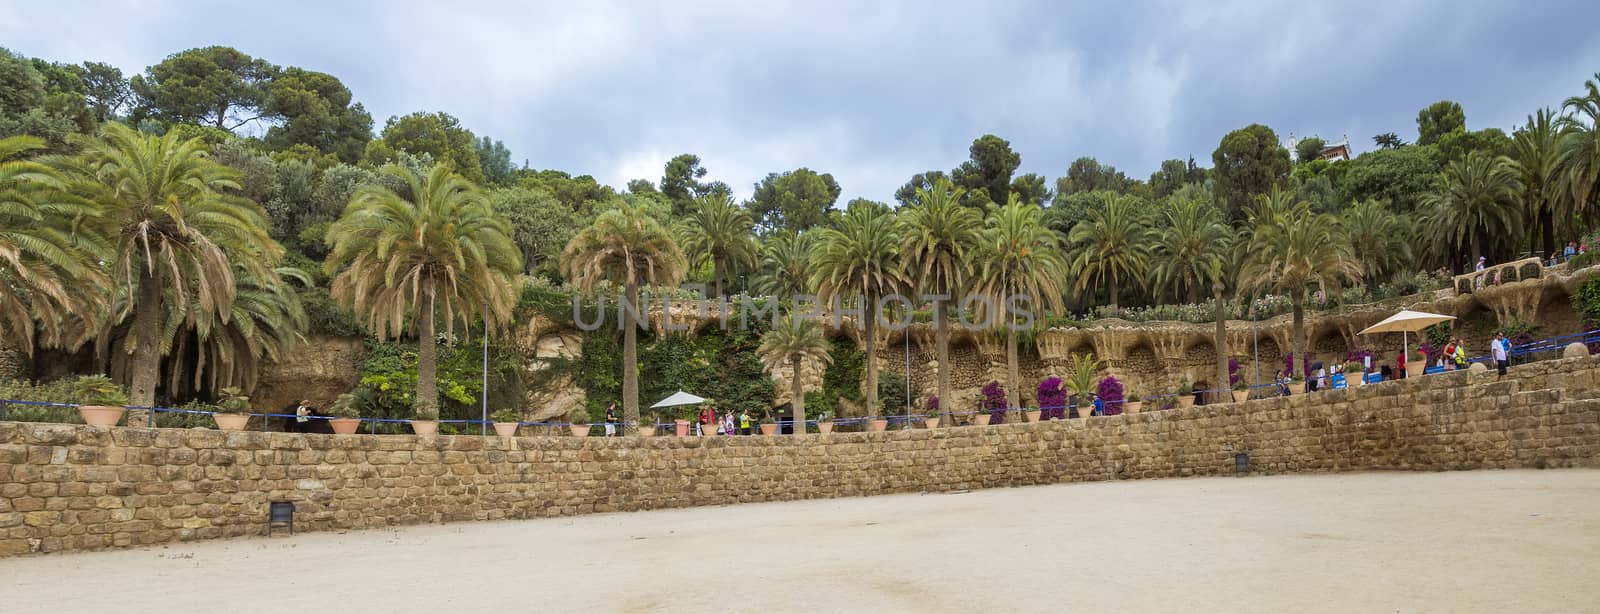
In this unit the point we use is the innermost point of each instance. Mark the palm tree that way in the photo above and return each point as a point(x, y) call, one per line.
point(1112, 244)
point(1476, 200)
point(1538, 163)
point(940, 232)
point(1292, 250)
point(785, 265)
point(42, 254)
point(435, 248)
point(792, 342)
point(859, 260)
point(1580, 148)
point(1377, 238)
point(174, 233)
point(1019, 258)
point(1193, 238)
point(721, 231)
point(625, 246)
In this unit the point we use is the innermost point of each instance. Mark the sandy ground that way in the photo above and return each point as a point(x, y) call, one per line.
point(1490, 541)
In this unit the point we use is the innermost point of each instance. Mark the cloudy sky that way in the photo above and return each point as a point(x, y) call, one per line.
point(872, 91)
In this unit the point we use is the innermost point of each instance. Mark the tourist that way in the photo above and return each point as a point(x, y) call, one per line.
point(1400, 364)
point(1338, 379)
point(1448, 360)
point(1283, 382)
point(1099, 406)
point(611, 420)
point(727, 423)
point(1501, 348)
point(1571, 250)
point(1460, 356)
point(302, 415)
point(1321, 380)
point(708, 420)
point(744, 422)
point(1482, 263)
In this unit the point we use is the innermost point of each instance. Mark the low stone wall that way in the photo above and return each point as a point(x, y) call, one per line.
point(65, 487)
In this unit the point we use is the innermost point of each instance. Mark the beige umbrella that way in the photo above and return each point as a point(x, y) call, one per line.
point(1405, 322)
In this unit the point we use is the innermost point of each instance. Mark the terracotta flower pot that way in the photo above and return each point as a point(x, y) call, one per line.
point(769, 429)
point(1032, 414)
point(231, 422)
point(982, 418)
point(931, 423)
point(681, 427)
point(506, 429)
point(1185, 400)
point(579, 430)
point(345, 426)
point(824, 427)
point(100, 415)
point(708, 430)
point(1240, 396)
point(425, 427)
point(647, 429)
point(877, 424)
point(1132, 407)
point(1297, 389)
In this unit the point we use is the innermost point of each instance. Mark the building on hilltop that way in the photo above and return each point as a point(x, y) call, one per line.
point(1332, 152)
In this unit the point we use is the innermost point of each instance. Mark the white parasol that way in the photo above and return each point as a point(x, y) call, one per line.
point(1406, 322)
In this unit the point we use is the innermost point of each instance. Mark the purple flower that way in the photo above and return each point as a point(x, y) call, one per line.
point(994, 400)
point(1052, 399)
point(1110, 391)
point(933, 403)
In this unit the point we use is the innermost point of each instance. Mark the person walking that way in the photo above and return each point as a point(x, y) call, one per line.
point(1449, 359)
point(302, 415)
point(1501, 349)
point(744, 422)
point(1460, 356)
point(708, 420)
point(611, 420)
point(1400, 364)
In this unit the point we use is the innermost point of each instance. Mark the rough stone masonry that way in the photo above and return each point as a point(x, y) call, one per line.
point(69, 487)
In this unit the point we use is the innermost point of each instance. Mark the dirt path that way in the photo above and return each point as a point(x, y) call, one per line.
point(1490, 541)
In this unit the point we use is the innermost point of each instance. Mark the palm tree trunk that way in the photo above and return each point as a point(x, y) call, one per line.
point(1547, 229)
point(716, 277)
point(1298, 299)
point(799, 395)
point(1221, 342)
point(1194, 291)
point(870, 332)
point(427, 361)
point(630, 363)
point(1013, 374)
point(1476, 249)
point(146, 371)
point(941, 338)
point(1113, 285)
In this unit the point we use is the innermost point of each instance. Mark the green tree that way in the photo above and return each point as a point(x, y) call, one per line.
point(1439, 119)
point(719, 231)
point(1309, 149)
point(1018, 258)
point(859, 260)
point(796, 201)
point(402, 260)
point(31, 104)
point(625, 246)
point(42, 257)
point(785, 266)
point(907, 193)
point(175, 235)
point(1456, 145)
point(792, 342)
point(1032, 189)
point(1379, 240)
point(216, 86)
point(1388, 140)
point(104, 89)
point(1249, 161)
point(1112, 245)
point(940, 234)
point(541, 226)
point(495, 160)
point(1089, 175)
point(316, 110)
point(986, 176)
point(1292, 249)
point(681, 183)
point(1476, 204)
point(1538, 161)
point(1175, 174)
point(1400, 176)
point(1580, 149)
point(439, 135)
point(1193, 240)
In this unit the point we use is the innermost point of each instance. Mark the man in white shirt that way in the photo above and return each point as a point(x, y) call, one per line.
point(1500, 347)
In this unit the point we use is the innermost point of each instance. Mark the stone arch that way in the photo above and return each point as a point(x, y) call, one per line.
point(1200, 352)
point(1141, 358)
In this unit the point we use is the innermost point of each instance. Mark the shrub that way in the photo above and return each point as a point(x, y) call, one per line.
point(994, 400)
point(933, 403)
point(1110, 391)
point(1233, 372)
point(97, 390)
point(1052, 398)
point(344, 407)
point(233, 401)
point(505, 414)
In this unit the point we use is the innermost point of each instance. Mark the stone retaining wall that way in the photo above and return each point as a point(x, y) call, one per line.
point(65, 487)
